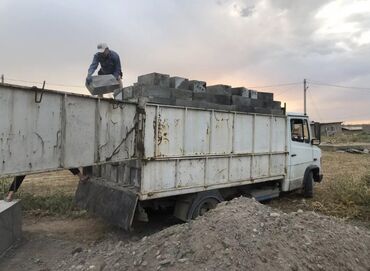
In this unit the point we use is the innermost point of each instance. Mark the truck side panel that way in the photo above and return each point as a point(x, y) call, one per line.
point(195, 150)
point(63, 130)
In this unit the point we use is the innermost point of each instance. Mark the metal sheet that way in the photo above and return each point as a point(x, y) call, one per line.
point(260, 166)
point(63, 130)
point(243, 133)
point(197, 132)
point(221, 133)
point(217, 171)
point(170, 132)
point(240, 168)
point(190, 173)
point(158, 176)
point(262, 134)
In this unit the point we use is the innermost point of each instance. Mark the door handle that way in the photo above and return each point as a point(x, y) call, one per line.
point(293, 155)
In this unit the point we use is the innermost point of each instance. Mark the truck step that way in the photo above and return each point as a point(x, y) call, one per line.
point(265, 193)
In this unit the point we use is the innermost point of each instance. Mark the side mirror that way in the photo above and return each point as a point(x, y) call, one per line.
point(315, 141)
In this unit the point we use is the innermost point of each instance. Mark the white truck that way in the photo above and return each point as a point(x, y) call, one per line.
point(142, 155)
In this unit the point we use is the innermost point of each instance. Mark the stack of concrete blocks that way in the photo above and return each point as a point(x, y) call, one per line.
point(10, 224)
point(163, 89)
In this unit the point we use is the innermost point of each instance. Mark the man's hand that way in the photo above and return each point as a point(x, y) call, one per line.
point(88, 80)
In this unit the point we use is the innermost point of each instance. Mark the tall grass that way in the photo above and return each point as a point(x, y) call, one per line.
point(57, 202)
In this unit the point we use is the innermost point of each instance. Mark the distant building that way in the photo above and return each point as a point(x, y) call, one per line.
point(331, 128)
point(352, 128)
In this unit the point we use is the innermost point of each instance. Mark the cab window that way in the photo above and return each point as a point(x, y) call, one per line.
point(299, 130)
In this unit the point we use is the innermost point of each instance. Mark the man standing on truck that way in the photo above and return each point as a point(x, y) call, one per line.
point(109, 61)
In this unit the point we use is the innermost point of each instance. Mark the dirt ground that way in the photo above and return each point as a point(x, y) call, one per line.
point(51, 240)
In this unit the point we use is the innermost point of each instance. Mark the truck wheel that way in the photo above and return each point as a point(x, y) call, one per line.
point(308, 186)
point(191, 206)
point(203, 202)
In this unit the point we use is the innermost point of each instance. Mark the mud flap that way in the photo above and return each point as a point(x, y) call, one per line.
point(113, 203)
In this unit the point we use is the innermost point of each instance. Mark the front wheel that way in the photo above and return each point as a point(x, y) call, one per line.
point(308, 186)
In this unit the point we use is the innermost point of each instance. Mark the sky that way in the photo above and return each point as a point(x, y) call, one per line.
point(251, 43)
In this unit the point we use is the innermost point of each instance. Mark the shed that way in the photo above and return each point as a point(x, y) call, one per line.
point(331, 128)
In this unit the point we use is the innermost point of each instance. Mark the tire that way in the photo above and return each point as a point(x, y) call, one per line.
point(308, 185)
point(204, 202)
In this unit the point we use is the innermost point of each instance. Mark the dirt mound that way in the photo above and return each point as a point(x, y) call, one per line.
point(238, 235)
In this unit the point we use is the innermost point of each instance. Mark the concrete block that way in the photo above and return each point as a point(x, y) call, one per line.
point(266, 96)
point(160, 100)
point(102, 84)
point(10, 224)
point(240, 100)
point(197, 86)
point(181, 94)
point(179, 82)
point(203, 105)
point(240, 91)
point(154, 79)
point(151, 91)
point(218, 89)
point(253, 94)
point(210, 98)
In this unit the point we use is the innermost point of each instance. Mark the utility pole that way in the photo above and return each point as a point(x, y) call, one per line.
point(305, 87)
point(2, 79)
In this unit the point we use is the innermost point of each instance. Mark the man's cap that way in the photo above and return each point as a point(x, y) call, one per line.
point(101, 47)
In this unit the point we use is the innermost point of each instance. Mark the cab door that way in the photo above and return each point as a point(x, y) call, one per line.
point(300, 154)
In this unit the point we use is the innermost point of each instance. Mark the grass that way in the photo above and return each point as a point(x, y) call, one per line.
point(46, 194)
point(347, 138)
point(345, 190)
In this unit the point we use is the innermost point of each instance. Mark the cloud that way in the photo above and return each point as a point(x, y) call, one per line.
point(236, 42)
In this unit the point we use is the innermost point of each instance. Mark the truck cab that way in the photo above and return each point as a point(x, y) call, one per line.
point(304, 157)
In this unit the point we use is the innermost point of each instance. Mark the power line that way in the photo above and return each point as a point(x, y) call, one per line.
point(338, 86)
point(51, 84)
point(278, 85)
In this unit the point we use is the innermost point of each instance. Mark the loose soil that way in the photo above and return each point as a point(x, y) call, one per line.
point(238, 235)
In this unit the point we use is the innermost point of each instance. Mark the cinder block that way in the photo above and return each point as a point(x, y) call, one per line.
point(181, 94)
point(253, 94)
point(266, 96)
point(218, 89)
point(102, 84)
point(179, 82)
point(203, 105)
point(159, 100)
point(240, 100)
point(197, 86)
point(210, 98)
point(154, 79)
point(240, 91)
point(10, 224)
point(151, 91)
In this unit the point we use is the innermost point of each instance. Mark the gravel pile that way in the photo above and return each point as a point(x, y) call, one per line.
point(241, 234)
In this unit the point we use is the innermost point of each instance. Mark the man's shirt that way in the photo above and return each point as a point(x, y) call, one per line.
point(109, 64)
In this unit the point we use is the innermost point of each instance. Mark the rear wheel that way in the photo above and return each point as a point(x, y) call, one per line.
point(308, 185)
point(189, 207)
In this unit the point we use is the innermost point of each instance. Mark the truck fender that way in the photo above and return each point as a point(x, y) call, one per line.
point(315, 171)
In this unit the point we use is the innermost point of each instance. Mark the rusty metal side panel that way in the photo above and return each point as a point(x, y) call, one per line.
point(62, 130)
point(262, 134)
point(197, 132)
point(30, 133)
point(158, 176)
point(221, 133)
point(240, 168)
point(116, 132)
point(79, 132)
point(243, 133)
point(170, 131)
